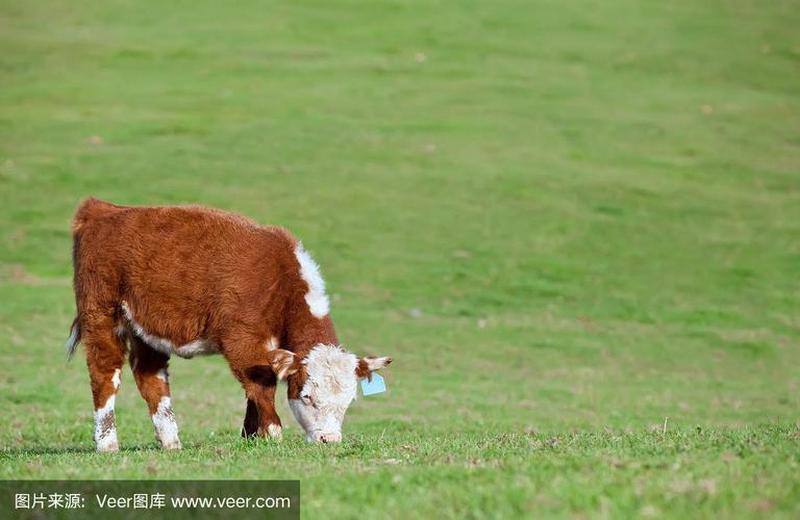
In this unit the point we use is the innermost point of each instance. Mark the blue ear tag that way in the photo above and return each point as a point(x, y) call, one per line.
point(376, 386)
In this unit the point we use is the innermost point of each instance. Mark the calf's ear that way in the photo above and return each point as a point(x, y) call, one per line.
point(367, 365)
point(283, 363)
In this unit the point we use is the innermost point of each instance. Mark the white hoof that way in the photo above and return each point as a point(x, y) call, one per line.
point(108, 445)
point(172, 445)
point(275, 432)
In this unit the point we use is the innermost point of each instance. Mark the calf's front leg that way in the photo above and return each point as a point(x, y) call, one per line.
point(250, 361)
point(250, 426)
point(260, 418)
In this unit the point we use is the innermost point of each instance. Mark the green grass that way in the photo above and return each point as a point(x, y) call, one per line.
point(566, 221)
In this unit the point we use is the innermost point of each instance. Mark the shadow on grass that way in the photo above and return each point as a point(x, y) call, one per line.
point(47, 450)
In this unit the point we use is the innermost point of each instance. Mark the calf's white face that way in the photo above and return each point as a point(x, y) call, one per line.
point(331, 378)
point(329, 389)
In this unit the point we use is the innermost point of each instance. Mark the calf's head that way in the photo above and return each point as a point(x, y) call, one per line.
point(322, 385)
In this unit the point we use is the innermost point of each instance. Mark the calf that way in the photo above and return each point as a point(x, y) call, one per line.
point(151, 282)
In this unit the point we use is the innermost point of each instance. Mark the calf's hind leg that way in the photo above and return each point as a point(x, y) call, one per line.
point(150, 372)
point(105, 353)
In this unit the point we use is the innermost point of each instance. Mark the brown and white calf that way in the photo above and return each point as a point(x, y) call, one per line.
point(151, 282)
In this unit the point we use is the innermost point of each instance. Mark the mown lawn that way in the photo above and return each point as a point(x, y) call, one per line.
point(574, 225)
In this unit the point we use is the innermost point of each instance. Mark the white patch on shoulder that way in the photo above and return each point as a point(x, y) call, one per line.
point(165, 425)
point(272, 344)
point(115, 378)
point(198, 347)
point(105, 429)
point(316, 298)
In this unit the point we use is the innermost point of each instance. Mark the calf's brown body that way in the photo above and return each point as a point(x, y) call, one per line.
point(155, 281)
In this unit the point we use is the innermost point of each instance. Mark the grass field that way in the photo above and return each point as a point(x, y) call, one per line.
point(574, 225)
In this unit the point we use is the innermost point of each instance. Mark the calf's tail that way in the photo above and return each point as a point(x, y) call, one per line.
point(73, 340)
